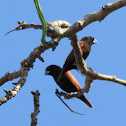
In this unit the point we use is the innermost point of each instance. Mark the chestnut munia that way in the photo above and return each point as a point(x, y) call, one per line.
point(68, 82)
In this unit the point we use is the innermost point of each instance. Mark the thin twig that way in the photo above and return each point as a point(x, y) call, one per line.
point(58, 30)
point(58, 95)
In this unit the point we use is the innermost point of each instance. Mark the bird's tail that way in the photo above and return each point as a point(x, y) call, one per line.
point(85, 100)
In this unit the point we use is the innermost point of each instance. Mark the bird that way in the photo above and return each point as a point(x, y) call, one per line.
point(85, 44)
point(67, 83)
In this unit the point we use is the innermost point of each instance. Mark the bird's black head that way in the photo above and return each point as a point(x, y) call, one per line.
point(89, 40)
point(52, 69)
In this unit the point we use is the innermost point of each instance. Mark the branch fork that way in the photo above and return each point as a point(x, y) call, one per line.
point(58, 30)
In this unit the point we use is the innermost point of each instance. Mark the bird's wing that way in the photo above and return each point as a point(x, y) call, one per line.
point(72, 79)
point(70, 59)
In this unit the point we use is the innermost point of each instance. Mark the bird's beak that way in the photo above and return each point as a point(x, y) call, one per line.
point(47, 72)
point(95, 41)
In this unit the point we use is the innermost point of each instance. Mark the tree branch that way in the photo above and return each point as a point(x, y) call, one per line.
point(23, 72)
point(10, 76)
point(36, 108)
point(92, 17)
point(17, 87)
point(58, 94)
point(64, 29)
point(58, 30)
point(90, 74)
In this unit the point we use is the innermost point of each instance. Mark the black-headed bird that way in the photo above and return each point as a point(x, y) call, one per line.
point(67, 83)
point(85, 44)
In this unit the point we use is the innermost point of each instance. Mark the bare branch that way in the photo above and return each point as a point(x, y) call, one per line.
point(23, 25)
point(90, 74)
point(58, 30)
point(36, 108)
point(23, 72)
point(64, 29)
point(54, 29)
point(17, 87)
point(10, 76)
point(58, 95)
point(88, 84)
point(96, 16)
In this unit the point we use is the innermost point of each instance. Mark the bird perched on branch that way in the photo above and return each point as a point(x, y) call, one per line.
point(85, 44)
point(68, 82)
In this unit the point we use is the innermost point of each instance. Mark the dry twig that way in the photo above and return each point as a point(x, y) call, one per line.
point(58, 95)
point(58, 30)
point(36, 108)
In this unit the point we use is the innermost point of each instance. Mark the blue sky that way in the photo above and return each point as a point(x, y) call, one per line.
point(106, 57)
